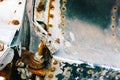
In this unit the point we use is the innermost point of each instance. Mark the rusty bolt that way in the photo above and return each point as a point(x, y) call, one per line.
point(1, 46)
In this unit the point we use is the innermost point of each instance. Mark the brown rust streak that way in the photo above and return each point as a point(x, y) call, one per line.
point(49, 13)
point(41, 48)
point(40, 6)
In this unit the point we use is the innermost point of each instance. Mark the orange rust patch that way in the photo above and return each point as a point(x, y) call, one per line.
point(15, 22)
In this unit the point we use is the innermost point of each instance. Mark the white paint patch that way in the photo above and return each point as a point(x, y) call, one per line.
point(72, 36)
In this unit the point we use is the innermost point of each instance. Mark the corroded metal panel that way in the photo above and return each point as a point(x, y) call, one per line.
point(86, 31)
point(11, 20)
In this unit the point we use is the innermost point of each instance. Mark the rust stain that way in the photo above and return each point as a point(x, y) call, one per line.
point(52, 7)
point(57, 40)
point(15, 22)
point(51, 16)
point(1, 46)
point(40, 6)
point(49, 13)
point(1, 0)
point(50, 25)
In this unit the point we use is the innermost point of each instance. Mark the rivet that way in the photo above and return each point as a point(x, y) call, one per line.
point(113, 35)
point(63, 33)
point(1, 46)
point(52, 69)
point(63, 8)
point(113, 17)
point(14, 11)
point(51, 15)
point(115, 8)
point(55, 62)
point(62, 24)
point(113, 27)
point(80, 69)
point(57, 40)
point(90, 71)
point(62, 16)
point(50, 76)
point(15, 22)
point(52, 7)
point(100, 73)
point(49, 34)
point(49, 41)
point(50, 25)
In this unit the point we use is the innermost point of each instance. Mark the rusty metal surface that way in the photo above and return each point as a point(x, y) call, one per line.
point(84, 31)
point(11, 19)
